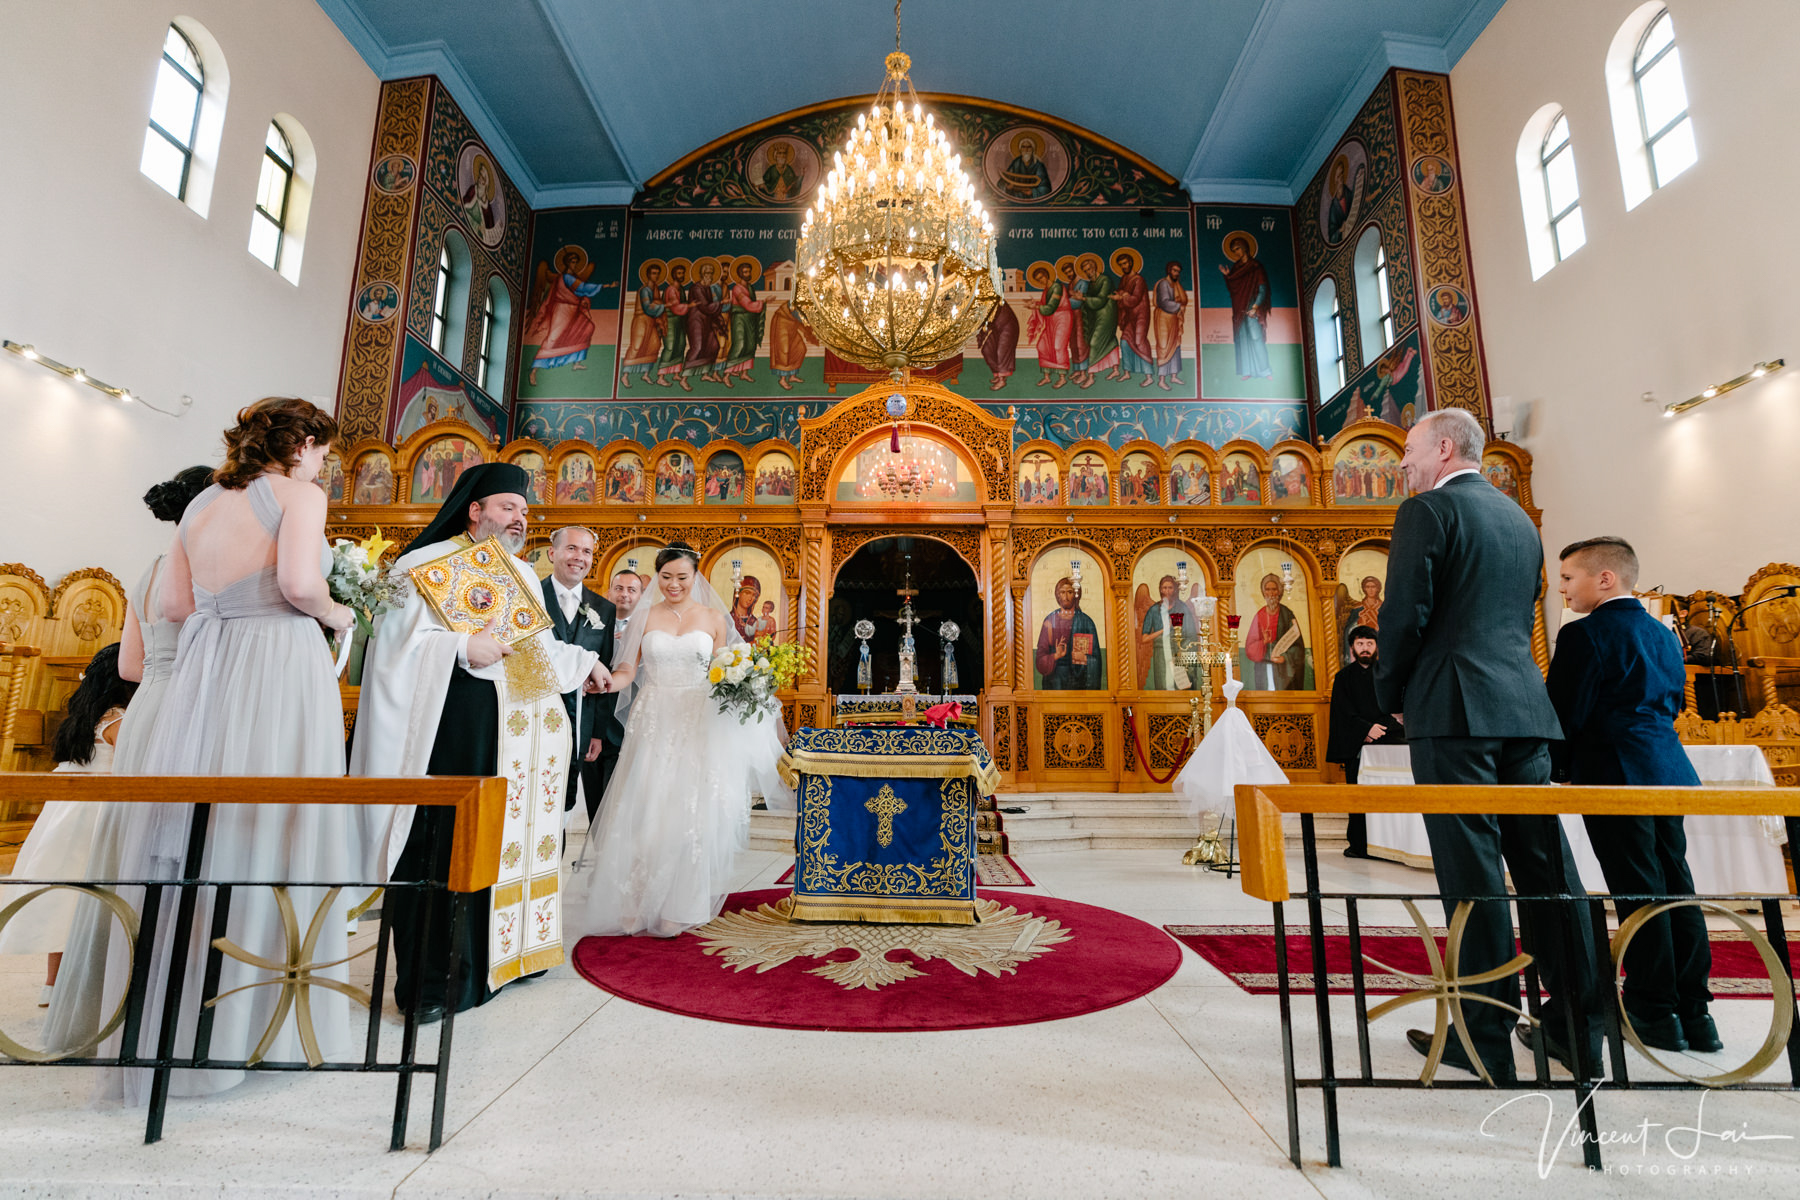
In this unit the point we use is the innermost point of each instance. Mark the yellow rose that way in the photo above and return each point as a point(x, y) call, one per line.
point(716, 675)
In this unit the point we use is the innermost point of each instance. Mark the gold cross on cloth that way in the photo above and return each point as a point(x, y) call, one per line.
point(886, 806)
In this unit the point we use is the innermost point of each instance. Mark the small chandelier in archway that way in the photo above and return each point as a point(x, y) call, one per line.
point(895, 265)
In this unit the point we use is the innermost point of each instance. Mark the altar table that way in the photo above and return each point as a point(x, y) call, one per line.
point(886, 828)
point(1726, 854)
point(885, 708)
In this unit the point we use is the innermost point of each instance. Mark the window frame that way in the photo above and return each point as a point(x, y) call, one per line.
point(1639, 69)
point(287, 169)
point(199, 85)
point(440, 304)
point(1340, 360)
point(484, 356)
point(1545, 155)
point(1384, 293)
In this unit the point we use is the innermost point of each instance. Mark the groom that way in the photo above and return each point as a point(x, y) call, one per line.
point(438, 702)
point(581, 617)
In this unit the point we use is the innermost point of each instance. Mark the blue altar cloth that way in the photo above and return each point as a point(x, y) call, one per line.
point(886, 829)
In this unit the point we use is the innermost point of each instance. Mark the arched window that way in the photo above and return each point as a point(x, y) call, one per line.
point(1374, 298)
point(1662, 102)
point(187, 113)
point(174, 115)
point(496, 331)
point(1328, 338)
point(1562, 195)
point(450, 298)
point(440, 301)
point(1652, 129)
point(268, 223)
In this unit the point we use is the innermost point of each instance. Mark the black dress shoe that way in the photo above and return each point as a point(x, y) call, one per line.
point(1554, 1047)
point(1503, 1074)
point(1701, 1034)
point(428, 1014)
point(1353, 852)
point(1659, 1033)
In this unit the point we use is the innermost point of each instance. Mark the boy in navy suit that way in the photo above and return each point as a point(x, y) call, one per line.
point(1616, 682)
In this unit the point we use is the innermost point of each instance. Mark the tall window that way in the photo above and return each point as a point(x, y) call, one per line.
point(1562, 195)
point(268, 224)
point(1384, 300)
point(168, 156)
point(1328, 339)
point(1662, 102)
point(1374, 295)
point(485, 358)
point(440, 302)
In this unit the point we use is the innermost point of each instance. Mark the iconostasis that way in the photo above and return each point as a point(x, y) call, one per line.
point(1080, 554)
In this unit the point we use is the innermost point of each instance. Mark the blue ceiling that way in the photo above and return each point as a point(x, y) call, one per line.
point(584, 100)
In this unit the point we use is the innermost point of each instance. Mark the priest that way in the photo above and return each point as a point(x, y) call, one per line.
point(1357, 720)
point(438, 702)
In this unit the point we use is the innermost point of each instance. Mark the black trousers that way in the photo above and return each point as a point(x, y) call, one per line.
point(1668, 962)
point(592, 776)
point(1472, 852)
point(1356, 830)
point(468, 743)
point(608, 762)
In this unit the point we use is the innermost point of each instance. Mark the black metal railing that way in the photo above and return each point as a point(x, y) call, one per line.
point(473, 857)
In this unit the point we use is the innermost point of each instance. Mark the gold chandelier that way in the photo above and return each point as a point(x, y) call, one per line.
point(895, 265)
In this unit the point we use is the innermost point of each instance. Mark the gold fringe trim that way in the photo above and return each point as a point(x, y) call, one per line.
point(807, 909)
point(890, 766)
point(542, 959)
point(507, 895)
point(545, 885)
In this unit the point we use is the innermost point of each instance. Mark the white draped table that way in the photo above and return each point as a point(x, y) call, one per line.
point(1725, 854)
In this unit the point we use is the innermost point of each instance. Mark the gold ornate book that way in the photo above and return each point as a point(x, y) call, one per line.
point(468, 586)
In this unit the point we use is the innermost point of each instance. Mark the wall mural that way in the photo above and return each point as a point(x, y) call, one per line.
point(569, 339)
point(1388, 389)
point(432, 390)
point(1250, 340)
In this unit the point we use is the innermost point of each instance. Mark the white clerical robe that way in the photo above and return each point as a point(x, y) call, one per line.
point(405, 677)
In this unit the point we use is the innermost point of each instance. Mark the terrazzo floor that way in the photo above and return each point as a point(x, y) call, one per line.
point(560, 1090)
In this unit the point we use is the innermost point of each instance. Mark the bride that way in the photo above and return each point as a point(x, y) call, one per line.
point(660, 853)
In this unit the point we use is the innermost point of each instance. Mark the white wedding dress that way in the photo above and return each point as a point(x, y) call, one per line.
point(677, 811)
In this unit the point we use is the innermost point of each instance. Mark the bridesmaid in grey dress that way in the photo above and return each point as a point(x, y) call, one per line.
point(147, 656)
point(253, 693)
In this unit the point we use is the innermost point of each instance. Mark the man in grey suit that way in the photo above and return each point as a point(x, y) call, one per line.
point(1465, 572)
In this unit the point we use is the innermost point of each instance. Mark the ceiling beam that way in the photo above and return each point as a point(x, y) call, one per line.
point(1260, 31)
point(553, 18)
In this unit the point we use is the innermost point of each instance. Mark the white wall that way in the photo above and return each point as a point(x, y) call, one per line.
point(1690, 288)
point(102, 269)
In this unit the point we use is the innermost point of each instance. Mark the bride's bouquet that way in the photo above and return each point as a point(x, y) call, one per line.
point(746, 675)
point(357, 580)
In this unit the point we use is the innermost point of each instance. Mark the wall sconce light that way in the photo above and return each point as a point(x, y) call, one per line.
point(1719, 389)
point(125, 395)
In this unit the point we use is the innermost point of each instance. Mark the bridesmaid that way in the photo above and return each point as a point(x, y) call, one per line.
point(146, 656)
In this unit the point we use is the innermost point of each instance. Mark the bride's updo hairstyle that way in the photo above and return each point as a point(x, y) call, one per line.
point(678, 550)
point(267, 437)
point(169, 499)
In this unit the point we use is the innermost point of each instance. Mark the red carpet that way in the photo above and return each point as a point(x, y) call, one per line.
point(991, 871)
point(1107, 959)
point(1246, 954)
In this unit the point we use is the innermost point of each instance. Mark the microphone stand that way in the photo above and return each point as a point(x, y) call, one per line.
point(1737, 675)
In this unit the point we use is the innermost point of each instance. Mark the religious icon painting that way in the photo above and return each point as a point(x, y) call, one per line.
point(1239, 480)
point(1038, 482)
point(1341, 199)
point(537, 485)
point(1066, 617)
point(638, 558)
point(783, 170)
point(539, 558)
point(395, 173)
point(575, 478)
point(372, 480)
point(1088, 482)
point(750, 579)
point(331, 479)
point(377, 301)
point(775, 479)
point(724, 478)
point(1362, 578)
point(1448, 306)
point(478, 192)
point(1290, 481)
point(1433, 175)
point(1025, 164)
point(1139, 480)
point(675, 478)
point(1189, 480)
point(1367, 471)
point(1166, 586)
point(625, 479)
point(439, 465)
point(927, 469)
point(1498, 470)
point(1274, 638)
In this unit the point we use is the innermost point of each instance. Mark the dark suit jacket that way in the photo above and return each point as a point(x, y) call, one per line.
point(1464, 573)
point(1617, 684)
point(596, 711)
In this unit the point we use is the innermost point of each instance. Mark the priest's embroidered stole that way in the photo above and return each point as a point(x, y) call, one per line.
point(525, 917)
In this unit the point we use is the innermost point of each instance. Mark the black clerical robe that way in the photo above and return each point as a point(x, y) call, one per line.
point(1354, 712)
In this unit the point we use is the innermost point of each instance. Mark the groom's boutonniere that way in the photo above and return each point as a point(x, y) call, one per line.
point(593, 617)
